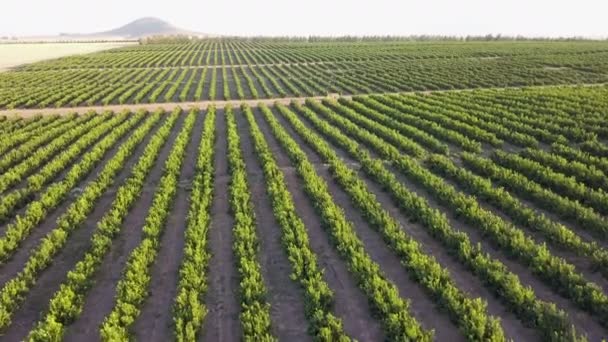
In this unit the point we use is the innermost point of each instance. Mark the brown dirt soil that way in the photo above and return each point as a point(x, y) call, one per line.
point(16, 263)
point(284, 295)
point(222, 321)
point(100, 299)
point(421, 305)
point(350, 303)
point(156, 317)
point(50, 279)
point(582, 320)
point(460, 274)
point(583, 264)
point(20, 209)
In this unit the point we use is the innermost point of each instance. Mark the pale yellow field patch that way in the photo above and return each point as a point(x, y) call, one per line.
point(12, 55)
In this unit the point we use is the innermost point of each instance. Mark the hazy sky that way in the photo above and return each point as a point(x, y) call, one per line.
point(315, 17)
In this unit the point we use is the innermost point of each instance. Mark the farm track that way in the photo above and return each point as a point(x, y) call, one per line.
point(168, 106)
point(212, 66)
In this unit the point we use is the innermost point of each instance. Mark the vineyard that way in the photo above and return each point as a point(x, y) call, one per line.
point(392, 213)
point(238, 69)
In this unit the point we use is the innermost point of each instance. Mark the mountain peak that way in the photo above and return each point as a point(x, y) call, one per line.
point(149, 21)
point(137, 29)
point(143, 27)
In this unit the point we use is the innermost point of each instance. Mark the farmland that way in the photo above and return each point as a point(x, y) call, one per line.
point(450, 191)
point(16, 54)
point(236, 70)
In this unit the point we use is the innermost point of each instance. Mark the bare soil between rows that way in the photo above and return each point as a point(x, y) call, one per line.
point(284, 295)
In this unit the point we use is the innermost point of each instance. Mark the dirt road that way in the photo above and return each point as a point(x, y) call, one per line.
point(235, 103)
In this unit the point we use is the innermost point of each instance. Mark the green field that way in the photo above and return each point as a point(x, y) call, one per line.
point(223, 70)
point(454, 191)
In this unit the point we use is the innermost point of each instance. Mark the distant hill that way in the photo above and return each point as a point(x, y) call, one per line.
point(140, 28)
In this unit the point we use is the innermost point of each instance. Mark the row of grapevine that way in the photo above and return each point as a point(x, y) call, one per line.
point(67, 303)
point(421, 137)
point(34, 183)
point(237, 81)
point(429, 103)
point(17, 124)
point(144, 91)
point(212, 86)
point(198, 93)
point(502, 116)
point(41, 155)
point(545, 316)
point(136, 89)
point(319, 297)
point(402, 113)
point(575, 154)
point(109, 94)
point(183, 95)
point(567, 209)
point(533, 115)
point(382, 294)
point(522, 215)
point(273, 82)
point(558, 182)
point(470, 314)
point(274, 73)
point(267, 92)
point(386, 107)
point(12, 139)
point(160, 89)
point(255, 311)
point(595, 148)
point(555, 271)
point(316, 70)
point(9, 125)
point(405, 144)
point(226, 85)
point(189, 311)
point(131, 290)
point(16, 155)
point(589, 174)
point(406, 105)
point(176, 85)
point(14, 290)
point(252, 89)
point(16, 231)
